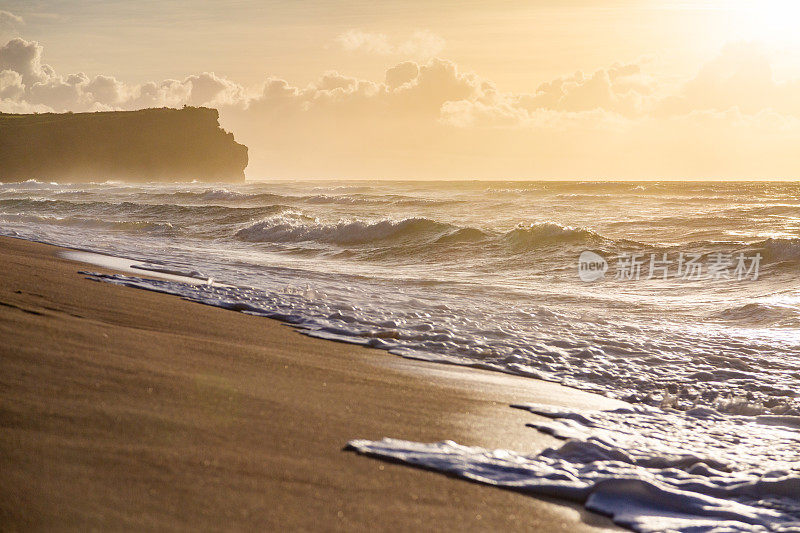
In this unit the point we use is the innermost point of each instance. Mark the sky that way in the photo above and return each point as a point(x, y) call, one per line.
point(570, 89)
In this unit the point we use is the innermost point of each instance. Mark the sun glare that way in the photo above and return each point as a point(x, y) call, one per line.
point(774, 21)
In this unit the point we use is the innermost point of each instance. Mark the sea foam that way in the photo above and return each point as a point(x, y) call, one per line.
point(650, 470)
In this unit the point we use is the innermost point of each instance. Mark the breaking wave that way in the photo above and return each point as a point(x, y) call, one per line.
point(761, 314)
point(534, 235)
point(780, 249)
point(296, 227)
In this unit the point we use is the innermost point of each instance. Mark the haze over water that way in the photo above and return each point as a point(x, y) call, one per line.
point(486, 274)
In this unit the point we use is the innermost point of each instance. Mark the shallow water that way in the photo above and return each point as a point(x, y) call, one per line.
point(486, 274)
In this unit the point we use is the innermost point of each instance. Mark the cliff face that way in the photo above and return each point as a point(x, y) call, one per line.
point(148, 145)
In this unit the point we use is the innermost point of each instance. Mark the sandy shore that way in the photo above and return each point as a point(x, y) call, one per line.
point(127, 409)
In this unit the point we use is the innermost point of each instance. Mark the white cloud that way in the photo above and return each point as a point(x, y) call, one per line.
point(210, 89)
point(373, 43)
point(422, 44)
point(9, 19)
point(26, 81)
point(401, 73)
point(25, 58)
point(105, 90)
point(741, 77)
point(11, 86)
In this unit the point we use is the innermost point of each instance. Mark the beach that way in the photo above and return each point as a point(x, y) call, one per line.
point(127, 409)
point(442, 266)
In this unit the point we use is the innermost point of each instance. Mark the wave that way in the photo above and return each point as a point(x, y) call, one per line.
point(134, 218)
point(536, 235)
point(781, 210)
point(295, 227)
point(222, 195)
point(780, 249)
point(159, 212)
point(346, 188)
point(225, 195)
point(463, 235)
point(131, 226)
point(275, 221)
point(762, 315)
point(361, 199)
point(772, 250)
point(27, 185)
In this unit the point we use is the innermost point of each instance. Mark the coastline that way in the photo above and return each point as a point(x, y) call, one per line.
point(130, 409)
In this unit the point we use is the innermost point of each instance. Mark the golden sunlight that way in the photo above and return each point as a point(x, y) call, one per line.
point(771, 21)
point(288, 265)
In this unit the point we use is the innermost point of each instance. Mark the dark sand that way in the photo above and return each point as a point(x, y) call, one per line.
point(125, 409)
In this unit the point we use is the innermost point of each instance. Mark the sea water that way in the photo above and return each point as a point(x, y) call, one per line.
point(679, 298)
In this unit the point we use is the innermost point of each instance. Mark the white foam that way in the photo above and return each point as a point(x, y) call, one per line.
point(650, 470)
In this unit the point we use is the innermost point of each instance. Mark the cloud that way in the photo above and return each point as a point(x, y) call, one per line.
point(401, 73)
point(428, 118)
point(739, 77)
point(11, 86)
point(105, 90)
point(421, 44)
point(623, 89)
point(433, 120)
point(167, 93)
point(210, 89)
point(27, 82)
point(8, 19)
point(373, 43)
point(25, 58)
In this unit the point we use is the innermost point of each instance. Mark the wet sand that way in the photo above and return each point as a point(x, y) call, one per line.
point(125, 409)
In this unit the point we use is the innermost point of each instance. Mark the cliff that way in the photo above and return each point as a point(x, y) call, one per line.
point(147, 145)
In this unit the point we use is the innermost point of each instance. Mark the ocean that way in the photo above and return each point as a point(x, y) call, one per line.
point(679, 298)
